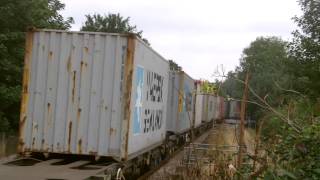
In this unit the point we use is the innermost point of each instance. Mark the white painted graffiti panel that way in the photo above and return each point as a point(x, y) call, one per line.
point(149, 96)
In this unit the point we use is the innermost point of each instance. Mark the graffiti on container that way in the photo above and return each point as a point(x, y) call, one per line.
point(154, 87)
point(185, 99)
point(188, 98)
point(138, 100)
point(152, 120)
point(185, 107)
point(148, 91)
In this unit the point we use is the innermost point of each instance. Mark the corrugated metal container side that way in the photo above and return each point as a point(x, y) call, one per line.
point(149, 100)
point(222, 107)
point(211, 101)
point(225, 108)
point(185, 107)
point(172, 103)
point(198, 111)
point(78, 93)
point(180, 102)
point(216, 108)
point(201, 109)
point(234, 110)
point(205, 111)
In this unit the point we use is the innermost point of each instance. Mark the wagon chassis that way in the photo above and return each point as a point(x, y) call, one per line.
point(39, 165)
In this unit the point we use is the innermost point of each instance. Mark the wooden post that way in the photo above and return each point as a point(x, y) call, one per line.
point(242, 119)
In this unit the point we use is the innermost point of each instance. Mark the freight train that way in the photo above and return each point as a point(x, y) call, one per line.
point(108, 95)
point(233, 112)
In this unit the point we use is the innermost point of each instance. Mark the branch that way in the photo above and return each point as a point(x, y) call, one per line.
point(266, 104)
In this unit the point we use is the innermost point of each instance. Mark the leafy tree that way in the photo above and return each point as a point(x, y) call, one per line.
point(305, 49)
point(230, 87)
point(15, 17)
point(174, 66)
point(292, 154)
point(112, 23)
point(208, 87)
point(290, 133)
point(266, 60)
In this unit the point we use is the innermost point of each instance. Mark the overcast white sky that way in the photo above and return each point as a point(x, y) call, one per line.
point(199, 35)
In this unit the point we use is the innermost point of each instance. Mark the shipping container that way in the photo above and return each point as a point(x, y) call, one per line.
point(216, 108)
point(180, 102)
point(201, 111)
point(92, 93)
point(234, 109)
point(211, 106)
point(225, 108)
point(221, 107)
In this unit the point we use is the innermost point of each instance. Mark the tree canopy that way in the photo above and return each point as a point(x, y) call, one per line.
point(15, 17)
point(305, 49)
point(174, 66)
point(112, 23)
point(265, 60)
point(286, 76)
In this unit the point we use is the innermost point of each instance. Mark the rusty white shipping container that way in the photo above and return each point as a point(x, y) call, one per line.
point(92, 93)
point(201, 113)
point(212, 100)
point(234, 109)
point(180, 102)
point(216, 108)
point(221, 108)
point(224, 108)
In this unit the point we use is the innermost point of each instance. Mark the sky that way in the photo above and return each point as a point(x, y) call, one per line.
point(199, 35)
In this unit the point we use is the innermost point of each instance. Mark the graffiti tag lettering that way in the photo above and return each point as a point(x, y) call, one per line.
point(154, 87)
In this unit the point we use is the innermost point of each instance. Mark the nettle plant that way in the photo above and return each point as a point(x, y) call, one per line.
point(293, 150)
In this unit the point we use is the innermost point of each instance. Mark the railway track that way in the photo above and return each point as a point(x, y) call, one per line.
point(178, 152)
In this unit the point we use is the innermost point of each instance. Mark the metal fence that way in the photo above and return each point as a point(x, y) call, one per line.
point(204, 153)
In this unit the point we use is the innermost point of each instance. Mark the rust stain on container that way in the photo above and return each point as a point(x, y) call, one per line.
point(50, 55)
point(33, 141)
point(112, 131)
point(49, 115)
point(128, 73)
point(22, 122)
point(80, 146)
point(69, 135)
point(25, 82)
point(86, 49)
point(78, 114)
point(73, 85)
point(21, 142)
point(69, 64)
point(83, 65)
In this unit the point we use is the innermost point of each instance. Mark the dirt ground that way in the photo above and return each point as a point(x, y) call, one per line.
point(227, 134)
point(220, 145)
point(173, 165)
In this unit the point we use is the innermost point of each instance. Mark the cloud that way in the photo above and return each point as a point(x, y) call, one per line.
point(198, 35)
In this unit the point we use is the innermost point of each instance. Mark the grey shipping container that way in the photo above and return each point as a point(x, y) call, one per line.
point(201, 114)
point(222, 106)
point(92, 93)
point(180, 102)
point(234, 109)
point(211, 104)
